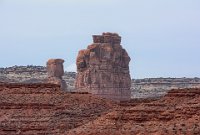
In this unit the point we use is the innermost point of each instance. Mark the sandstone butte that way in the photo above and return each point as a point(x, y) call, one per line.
point(55, 72)
point(103, 68)
point(38, 109)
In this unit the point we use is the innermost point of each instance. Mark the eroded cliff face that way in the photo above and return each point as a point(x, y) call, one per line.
point(103, 68)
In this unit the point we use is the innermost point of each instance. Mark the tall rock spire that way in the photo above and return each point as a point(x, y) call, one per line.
point(103, 68)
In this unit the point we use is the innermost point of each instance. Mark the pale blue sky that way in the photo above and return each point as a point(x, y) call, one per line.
point(161, 36)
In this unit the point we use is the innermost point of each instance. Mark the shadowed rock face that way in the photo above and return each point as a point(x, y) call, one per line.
point(103, 68)
point(55, 72)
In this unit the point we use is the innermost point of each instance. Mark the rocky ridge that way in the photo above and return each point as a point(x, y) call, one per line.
point(33, 109)
point(32, 74)
point(141, 88)
point(157, 87)
point(177, 113)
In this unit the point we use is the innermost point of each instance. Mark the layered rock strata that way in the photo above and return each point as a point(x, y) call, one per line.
point(141, 88)
point(44, 109)
point(103, 68)
point(158, 87)
point(178, 113)
point(55, 72)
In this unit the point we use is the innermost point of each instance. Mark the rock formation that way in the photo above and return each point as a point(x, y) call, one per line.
point(158, 87)
point(103, 68)
point(55, 72)
point(32, 74)
point(43, 109)
point(178, 113)
point(141, 88)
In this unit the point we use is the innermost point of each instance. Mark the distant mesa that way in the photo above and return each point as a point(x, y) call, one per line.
point(103, 68)
point(55, 72)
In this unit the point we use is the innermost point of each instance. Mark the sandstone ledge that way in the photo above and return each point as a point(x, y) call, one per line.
point(32, 109)
point(176, 113)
